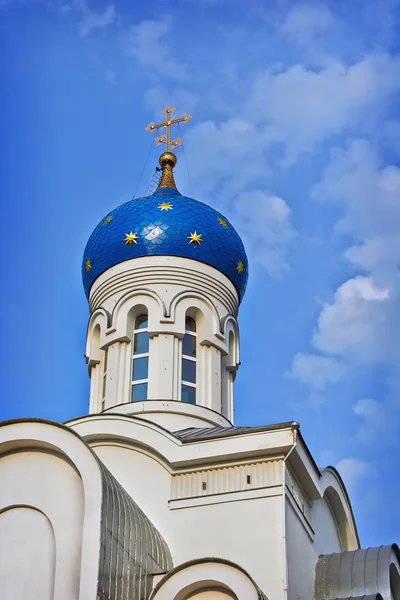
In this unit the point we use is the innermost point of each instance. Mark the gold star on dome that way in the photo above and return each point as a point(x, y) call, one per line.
point(240, 267)
point(106, 222)
point(195, 238)
point(222, 222)
point(88, 265)
point(130, 238)
point(165, 206)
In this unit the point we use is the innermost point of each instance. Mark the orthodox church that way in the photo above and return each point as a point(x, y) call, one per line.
point(155, 494)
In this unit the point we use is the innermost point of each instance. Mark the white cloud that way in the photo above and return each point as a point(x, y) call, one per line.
point(227, 156)
point(378, 251)
point(304, 22)
point(229, 167)
point(90, 19)
point(370, 196)
point(316, 371)
point(267, 227)
point(374, 419)
point(302, 107)
point(378, 421)
point(368, 192)
point(352, 471)
point(145, 42)
point(355, 323)
point(362, 321)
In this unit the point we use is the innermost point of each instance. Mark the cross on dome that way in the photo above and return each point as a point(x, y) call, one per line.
point(166, 138)
point(166, 223)
point(167, 159)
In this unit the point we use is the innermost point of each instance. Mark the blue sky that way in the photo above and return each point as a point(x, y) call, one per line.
point(295, 137)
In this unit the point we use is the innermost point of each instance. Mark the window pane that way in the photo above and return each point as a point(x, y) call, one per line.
point(189, 345)
point(139, 392)
point(141, 322)
point(188, 371)
point(140, 368)
point(188, 394)
point(141, 343)
point(190, 324)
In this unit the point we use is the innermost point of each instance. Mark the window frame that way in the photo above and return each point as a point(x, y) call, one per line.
point(190, 358)
point(137, 331)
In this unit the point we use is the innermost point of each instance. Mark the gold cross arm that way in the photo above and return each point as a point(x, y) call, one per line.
point(163, 140)
point(166, 138)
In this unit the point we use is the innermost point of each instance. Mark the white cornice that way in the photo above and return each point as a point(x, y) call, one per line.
point(154, 271)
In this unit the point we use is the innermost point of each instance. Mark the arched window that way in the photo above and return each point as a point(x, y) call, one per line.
point(188, 390)
point(140, 367)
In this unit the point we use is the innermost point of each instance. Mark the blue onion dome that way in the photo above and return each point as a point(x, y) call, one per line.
point(166, 224)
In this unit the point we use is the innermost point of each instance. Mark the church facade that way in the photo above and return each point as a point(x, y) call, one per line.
point(155, 494)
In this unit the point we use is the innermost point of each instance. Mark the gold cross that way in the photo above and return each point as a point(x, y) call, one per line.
point(166, 138)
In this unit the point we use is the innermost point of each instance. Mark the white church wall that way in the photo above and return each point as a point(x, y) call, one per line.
point(47, 483)
point(248, 533)
point(301, 555)
point(175, 422)
point(171, 415)
point(327, 539)
point(167, 289)
point(50, 492)
point(231, 519)
point(27, 542)
point(146, 434)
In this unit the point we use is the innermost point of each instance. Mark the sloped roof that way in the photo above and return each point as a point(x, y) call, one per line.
point(198, 434)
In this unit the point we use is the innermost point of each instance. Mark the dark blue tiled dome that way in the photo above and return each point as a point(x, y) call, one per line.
point(162, 225)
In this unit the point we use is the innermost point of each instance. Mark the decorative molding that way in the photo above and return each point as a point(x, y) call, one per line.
point(151, 271)
point(226, 479)
point(223, 498)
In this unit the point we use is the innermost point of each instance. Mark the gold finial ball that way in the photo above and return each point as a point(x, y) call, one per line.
point(168, 158)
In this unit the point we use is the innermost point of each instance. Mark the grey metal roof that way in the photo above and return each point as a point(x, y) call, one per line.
point(357, 574)
point(198, 434)
point(132, 550)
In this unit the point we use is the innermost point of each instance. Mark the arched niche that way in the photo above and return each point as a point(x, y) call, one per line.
point(231, 335)
point(50, 452)
point(207, 590)
point(27, 544)
point(201, 309)
point(97, 367)
point(336, 500)
point(339, 516)
point(129, 307)
point(95, 335)
point(207, 579)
